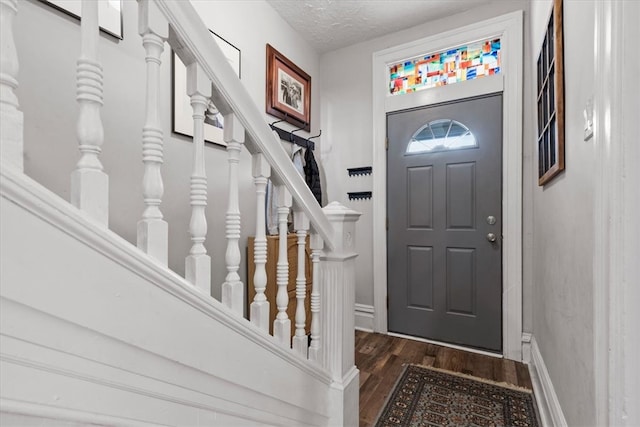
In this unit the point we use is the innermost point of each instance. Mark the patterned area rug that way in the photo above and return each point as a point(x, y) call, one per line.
point(427, 396)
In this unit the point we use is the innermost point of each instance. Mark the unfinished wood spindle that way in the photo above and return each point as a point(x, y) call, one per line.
point(316, 244)
point(11, 118)
point(153, 231)
point(282, 323)
point(198, 263)
point(300, 339)
point(259, 313)
point(232, 288)
point(89, 183)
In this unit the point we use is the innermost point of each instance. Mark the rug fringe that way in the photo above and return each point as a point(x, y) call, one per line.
point(474, 378)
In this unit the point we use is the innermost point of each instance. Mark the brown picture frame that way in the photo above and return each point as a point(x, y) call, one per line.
point(550, 99)
point(288, 90)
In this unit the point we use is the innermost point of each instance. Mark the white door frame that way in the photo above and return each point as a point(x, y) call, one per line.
point(509, 28)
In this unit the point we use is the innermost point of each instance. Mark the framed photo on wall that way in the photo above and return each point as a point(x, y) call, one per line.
point(550, 99)
point(182, 114)
point(109, 13)
point(288, 90)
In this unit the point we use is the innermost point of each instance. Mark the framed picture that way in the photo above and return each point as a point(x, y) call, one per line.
point(109, 13)
point(550, 99)
point(182, 114)
point(288, 90)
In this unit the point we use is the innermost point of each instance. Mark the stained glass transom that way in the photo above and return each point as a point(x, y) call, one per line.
point(468, 62)
point(441, 135)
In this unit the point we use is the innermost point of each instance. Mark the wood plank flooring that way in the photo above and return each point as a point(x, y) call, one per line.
point(380, 359)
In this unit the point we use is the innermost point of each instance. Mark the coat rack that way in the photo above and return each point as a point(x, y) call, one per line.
point(289, 135)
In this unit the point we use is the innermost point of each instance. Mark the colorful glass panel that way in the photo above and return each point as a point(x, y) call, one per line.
point(467, 62)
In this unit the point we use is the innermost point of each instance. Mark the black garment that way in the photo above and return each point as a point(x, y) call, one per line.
point(312, 175)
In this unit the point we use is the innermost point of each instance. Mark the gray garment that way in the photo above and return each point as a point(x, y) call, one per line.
point(271, 208)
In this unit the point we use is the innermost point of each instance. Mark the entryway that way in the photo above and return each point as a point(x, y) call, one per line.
point(444, 237)
point(509, 28)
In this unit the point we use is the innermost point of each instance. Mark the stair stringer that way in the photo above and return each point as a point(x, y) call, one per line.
point(95, 331)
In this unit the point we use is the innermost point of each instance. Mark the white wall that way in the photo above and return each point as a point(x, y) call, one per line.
point(563, 217)
point(48, 46)
point(348, 127)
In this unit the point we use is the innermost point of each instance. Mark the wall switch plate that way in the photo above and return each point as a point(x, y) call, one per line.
point(588, 120)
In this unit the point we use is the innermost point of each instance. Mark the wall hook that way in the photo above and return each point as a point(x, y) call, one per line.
point(310, 143)
point(296, 130)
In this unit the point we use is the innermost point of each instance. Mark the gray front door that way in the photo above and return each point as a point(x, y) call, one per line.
point(444, 198)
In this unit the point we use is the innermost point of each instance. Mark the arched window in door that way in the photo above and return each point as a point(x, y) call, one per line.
point(441, 135)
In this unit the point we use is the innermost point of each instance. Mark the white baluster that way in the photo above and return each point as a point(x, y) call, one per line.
point(198, 263)
point(152, 229)
point(89, 183)
point(316, 244)
point(11, 119)
point(232, 288)
point(282, 324)
point(260, 306)
point(300, 339)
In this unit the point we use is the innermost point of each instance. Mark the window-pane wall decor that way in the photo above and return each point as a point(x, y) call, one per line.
point(467, 62)
point(551, 99)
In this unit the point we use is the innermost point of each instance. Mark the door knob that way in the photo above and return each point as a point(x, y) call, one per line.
point(491, 237)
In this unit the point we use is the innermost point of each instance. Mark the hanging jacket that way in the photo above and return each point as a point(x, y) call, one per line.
point(312, 175)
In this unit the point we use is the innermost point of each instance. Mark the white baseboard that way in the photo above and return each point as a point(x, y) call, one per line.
point(364, 317)
point(548, 405)
point(526, 347)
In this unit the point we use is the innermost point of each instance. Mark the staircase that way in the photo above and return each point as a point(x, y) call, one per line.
point(96, 330)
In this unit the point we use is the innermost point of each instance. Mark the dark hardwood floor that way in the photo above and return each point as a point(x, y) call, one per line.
point(380, 359)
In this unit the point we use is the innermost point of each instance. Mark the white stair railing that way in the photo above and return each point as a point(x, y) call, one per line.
point(198, 263)
point(11, 129)
point(282, 323)
point(259, 311)
point(153, 231)
point(300, 339)
point(89, 183)
point(330, 230)
point(316, 244)
point(232, 288)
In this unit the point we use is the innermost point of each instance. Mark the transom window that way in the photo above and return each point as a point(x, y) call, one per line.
point(468, 62)
point(441, 135)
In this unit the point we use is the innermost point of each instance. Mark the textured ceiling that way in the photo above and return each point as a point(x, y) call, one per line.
point(332, 24)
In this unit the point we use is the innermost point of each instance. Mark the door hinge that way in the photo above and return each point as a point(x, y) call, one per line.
point(387, 302)
point(386, 143)
point(387, 224)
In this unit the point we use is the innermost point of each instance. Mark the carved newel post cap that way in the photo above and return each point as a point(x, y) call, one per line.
point(343, 220)
point(336, 211)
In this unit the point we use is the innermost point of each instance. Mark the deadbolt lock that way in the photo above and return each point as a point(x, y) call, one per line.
point(491, 220)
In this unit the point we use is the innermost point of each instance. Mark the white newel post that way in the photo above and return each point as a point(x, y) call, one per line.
point(153, 231)
point(232, 288)
point(282, 323)
point(198, 263)
point(316, 244)
point(11, 119)
point(337, 293)
point(300, 339)
point(260, 306)
point(89, 183)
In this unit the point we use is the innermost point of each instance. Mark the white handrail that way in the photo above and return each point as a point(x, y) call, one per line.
point(191, 40)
